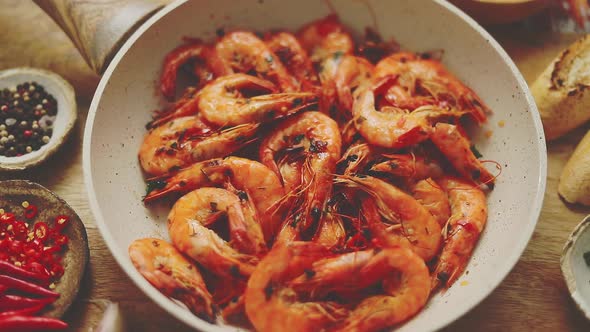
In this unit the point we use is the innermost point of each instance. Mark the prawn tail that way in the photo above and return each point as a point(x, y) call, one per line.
point(445, 274)
point(478, 110)
point(181, 108)
point(157, 188)
point(200, 307)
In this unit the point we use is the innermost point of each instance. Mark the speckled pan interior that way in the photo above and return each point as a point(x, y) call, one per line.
point(126, 97)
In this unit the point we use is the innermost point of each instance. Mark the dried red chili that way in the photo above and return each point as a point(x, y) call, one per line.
point(39, 270)
point(17, 323)
point(13, 302)
point(25, 287)
point(27, 311)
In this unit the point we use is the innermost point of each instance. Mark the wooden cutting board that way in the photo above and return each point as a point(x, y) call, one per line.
point(533, 296)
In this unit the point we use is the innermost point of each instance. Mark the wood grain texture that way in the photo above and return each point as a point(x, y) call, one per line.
point(99, 28)
point(32, 39)
point(533, 297)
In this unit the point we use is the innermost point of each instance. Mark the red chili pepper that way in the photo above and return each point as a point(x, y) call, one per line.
point(61, 222)
point(25, 286)
point(15, 247)
point(19, 229)
point(49, 251)
point(24, 312)
point(29, 324)
point(41, 230)
point(39, 270)
point(61, 240)
point(14, 302)
point(31, 211)
point(7, 218)
point(56, 270)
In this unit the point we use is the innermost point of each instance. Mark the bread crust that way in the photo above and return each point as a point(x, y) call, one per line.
point(574, 183)
point(562, 91)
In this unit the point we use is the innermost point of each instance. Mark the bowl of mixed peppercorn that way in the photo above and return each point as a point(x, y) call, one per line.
point(37, 113)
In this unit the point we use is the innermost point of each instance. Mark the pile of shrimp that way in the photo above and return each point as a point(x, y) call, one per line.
point(318, 184)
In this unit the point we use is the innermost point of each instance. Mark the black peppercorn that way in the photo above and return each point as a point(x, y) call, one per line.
point(27, 114)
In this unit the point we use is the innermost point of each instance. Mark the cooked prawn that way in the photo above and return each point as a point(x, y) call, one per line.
point(222, 102)
point(203, 54)
point(187, 223)
point(325, 37)
point(331, 232)
point(340, 76)
point(203, 205)
point(356, 158)
point(457, 150)
point(433, 198)
point(352, 72)
point(288, 49)
point(468, 218)
point(424, 81)
point(172, 274)
point(403, 275)
point(272, 306)
point(419, 229)
point(319, 137)
point(235, 312)
point(258, 183)
point(186, 140)
point(243, 52)
point(387, 129)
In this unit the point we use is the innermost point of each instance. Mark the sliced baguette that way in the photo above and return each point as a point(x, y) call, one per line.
point(561, 91)
point(574, 183)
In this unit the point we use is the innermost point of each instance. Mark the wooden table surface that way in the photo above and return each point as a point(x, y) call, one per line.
point(533, 296)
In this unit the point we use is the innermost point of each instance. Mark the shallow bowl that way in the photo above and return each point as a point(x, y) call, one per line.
point(513, 136)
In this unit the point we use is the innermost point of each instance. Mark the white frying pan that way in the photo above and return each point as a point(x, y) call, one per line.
point(126, 96)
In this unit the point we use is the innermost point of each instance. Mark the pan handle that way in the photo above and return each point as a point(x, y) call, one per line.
point(98, 28)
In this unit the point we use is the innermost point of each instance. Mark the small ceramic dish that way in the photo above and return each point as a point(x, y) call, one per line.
point(64, 121)
point(500, 11)
point(75, 257)
point(575, 268)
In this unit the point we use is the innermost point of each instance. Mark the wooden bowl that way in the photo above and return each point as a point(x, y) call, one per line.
point(75, 257)
point(500, 11)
